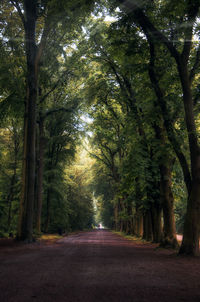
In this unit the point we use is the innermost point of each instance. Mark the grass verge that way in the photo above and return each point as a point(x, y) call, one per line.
point(136, 239)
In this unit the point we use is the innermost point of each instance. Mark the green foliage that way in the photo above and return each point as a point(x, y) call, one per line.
point(10, 172)
point(79, 195)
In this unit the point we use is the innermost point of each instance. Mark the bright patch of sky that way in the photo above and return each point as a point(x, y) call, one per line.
point(107, 17)
point(110, 19)
point(70, 46)
point(86, 120)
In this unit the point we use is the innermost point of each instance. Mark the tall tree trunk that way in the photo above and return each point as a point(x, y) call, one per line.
point(25, 231)
point(144, 235)
point(140, 225)
point(129, 220)
point(138, 229)
point(155, 207)
point(116, 216)
point(23, 182)
point(191, 233)
point(169, 234)
point(147, 226)
point(121, 225)
point(124, 212)
point(128, 227)
point(10, 197)
point(156, 212)
point(190, 243)
point(40, 175)
point(48, 210)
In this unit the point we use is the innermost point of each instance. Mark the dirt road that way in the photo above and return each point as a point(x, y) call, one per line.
point(97, 266)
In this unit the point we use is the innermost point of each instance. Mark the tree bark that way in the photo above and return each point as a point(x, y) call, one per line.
point(27, 198)
point(156, 212)
point(190, 243)
point(48, 210)
point(167, 200)
point(129, 219)
point(138, 225)
point(144, 235)
point(40, 175)
point(147, 226)
point(169, 234)
point(191, 233)
point(116, 217)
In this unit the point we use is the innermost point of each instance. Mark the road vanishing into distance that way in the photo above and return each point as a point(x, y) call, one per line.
point(97, 266)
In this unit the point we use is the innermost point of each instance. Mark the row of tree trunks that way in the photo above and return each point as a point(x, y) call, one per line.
point(148, 225)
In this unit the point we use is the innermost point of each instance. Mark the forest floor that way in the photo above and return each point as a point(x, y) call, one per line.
point(96, 266)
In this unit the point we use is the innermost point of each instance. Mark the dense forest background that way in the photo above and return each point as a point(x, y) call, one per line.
point(99, 108)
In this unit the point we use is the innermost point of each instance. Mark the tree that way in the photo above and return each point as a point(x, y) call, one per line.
point(187, 62)
point(48, 14)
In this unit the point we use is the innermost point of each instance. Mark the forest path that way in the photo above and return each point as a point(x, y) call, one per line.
point(97, 266)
